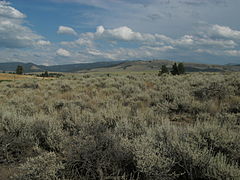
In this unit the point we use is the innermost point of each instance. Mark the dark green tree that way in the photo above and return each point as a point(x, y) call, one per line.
point(45, 74)
point(181, 68)
point(175, 70)
point(163, 70)
point(19, 70)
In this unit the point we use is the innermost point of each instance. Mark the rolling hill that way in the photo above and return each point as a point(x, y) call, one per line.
point(31, 67)
point(155, 65)
point(116, 66)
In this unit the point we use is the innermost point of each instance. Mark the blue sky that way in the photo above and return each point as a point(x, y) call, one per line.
point(77, 31)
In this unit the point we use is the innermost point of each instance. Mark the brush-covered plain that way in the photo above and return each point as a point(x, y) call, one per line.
point(121, 126)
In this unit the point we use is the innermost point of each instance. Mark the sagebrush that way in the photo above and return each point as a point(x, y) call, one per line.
point(122, 126)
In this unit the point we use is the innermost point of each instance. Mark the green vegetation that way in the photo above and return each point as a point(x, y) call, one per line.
point(181, 68)
point(47, 74)
point(163, 70)
point(19, 70)
point(178, 69)
point(121, 126)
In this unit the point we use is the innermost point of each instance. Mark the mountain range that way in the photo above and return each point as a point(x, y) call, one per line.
point(31, 67)
point(115, 66)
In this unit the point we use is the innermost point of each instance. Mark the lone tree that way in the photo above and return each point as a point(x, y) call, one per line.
point(163, 70)
point(181, 68)
point(19, 70)
point(175, 70)
point(45, 74)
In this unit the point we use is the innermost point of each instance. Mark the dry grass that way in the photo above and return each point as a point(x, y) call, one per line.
point(6, 76)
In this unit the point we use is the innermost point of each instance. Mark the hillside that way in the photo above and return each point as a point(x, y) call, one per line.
point(156, 65)
point(31, 67)
point(116, 66)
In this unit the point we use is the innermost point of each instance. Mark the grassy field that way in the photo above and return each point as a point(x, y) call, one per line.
point(121, 126)
point(6, 76)
point(12, 77)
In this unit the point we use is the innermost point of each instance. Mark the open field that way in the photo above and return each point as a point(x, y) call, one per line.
point(121, 126)
point(11, 77)
point(6, 76)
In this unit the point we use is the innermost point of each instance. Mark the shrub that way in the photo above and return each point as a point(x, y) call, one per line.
point(48, 134)
point(127, 126)
point(45, 166)
point(32, 85)
point(98, 156)
point(163, 70)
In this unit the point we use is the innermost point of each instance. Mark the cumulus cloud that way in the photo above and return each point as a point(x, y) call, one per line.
point(84, 42)
point(233, 52)
point(7, 11)
point(100, 30)
point(156, 48)
point(225, 31)
point(123, 33)
point(63, 52)
point(110, 44)
point(115, 35)
point(66, 30)
point(194, 41)
point(13, 32)
point(14, 35)
point(185, 40)
point(118, 43)
point(43, 43)
point(216, 43)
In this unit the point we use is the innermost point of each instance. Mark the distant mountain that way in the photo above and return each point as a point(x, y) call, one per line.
point(11, 66)
point(156, 65)
point(116, 66)
point(30, 67)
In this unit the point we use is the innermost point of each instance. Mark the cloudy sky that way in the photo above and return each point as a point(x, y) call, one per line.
point(75, 31)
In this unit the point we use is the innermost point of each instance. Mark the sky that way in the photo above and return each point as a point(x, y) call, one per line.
point(51, 32)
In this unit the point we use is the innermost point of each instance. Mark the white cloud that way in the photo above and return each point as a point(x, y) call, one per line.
point(192, 41)
point(107, 44)
point(123, 33)
point(14, 35)
point(225, 31)
point(213, 43)
point(100, 30)
point(208, 51)
point(84, 42)
point(63, 52)
point(66, 30)
point(13, 32)
point(159, 49)
point(43, 43)
point(7, 11)
point(233, 52)
point(186, 40)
